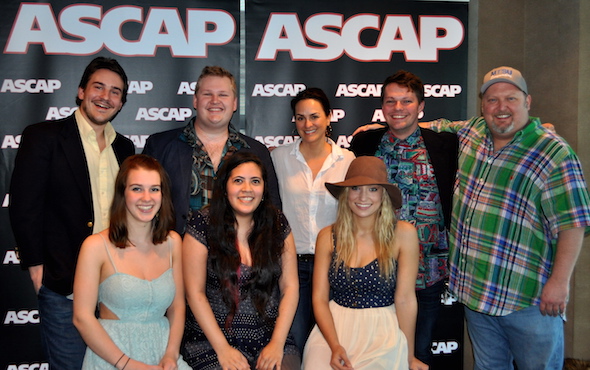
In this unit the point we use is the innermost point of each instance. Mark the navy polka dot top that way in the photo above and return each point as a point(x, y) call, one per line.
point(361, 287)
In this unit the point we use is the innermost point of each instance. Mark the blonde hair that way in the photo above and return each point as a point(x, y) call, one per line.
point(383, 233)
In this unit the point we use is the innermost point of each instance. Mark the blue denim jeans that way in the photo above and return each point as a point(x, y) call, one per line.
point(61, 341)
point(531, 340)
point(304, 320)
point(428, 309)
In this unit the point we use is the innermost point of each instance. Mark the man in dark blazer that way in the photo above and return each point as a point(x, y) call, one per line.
point(423, 164)
point(63, 176)
point(193, 154)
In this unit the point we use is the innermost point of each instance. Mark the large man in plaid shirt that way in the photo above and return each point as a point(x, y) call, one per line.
point(520, 212)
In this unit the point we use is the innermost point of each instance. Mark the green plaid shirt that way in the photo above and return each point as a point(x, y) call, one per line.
point(508, 208)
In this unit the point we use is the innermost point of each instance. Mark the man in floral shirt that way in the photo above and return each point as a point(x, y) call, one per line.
point(423, 164)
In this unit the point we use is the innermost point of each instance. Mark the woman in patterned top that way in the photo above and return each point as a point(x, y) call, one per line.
point(241, 276)
point(368, 260)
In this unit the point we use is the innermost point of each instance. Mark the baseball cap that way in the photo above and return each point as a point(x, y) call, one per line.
point(504, 74)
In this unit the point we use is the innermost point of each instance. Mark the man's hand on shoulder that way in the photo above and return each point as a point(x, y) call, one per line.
point(367, 127)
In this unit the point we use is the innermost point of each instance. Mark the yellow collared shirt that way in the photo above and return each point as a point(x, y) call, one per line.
point(102, 168)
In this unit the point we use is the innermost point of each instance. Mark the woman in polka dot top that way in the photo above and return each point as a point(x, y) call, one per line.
point(368, 261)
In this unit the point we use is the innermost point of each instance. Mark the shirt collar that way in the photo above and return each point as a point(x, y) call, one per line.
point(411, 140)
point(88, 132)
point(336, 152)
point(189, 135)
point(529, 128)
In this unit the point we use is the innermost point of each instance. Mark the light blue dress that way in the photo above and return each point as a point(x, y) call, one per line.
point(142, 330)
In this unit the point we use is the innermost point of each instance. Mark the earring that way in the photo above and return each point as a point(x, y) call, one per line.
point(329, 130)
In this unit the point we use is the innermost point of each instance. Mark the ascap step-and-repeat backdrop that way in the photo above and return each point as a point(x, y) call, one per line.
point(275, 48)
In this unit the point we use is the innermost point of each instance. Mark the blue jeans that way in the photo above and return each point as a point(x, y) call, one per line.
point(531, 340)
point(61, 341)
point(428, 309)
point(304, 320)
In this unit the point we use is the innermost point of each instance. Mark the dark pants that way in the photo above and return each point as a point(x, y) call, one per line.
point(428, 309)
point(304, 320)
point(61, 341)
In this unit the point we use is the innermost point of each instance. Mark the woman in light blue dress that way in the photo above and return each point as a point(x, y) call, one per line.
point(132, 270)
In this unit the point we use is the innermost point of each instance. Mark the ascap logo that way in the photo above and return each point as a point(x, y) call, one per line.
point(362, 90)
point(274, 141)
point(163, 114)
point(332, 36)
point(444, 347)
point(378, 116)
point(140, 87)
point(186, 88)
point(11, 142)
point(277, 89)
point(58, 113)
point(6, 201)
point(440, 91)
point(138, 140)
point(42, 366)
point(90, 30)
point(448, 298)
point(22, 317)
point(30, 86)
point(11, 258)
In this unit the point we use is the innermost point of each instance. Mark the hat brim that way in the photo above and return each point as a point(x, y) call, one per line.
point(392, 190)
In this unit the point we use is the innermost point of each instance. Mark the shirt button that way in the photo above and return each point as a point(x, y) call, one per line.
point(89, 224)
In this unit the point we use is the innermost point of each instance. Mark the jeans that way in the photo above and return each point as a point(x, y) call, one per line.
point(61, 341)
point(531, 340)
point(428, 309)
point(304, 320)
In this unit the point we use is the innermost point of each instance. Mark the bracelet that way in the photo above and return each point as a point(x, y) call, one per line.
point(128, 358)
point(116, 363)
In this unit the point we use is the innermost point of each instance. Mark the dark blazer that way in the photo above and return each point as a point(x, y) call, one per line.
point(443, 150)
point(176, 157)
point(51, 208)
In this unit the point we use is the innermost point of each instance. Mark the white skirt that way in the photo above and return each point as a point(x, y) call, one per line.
point(371, 336)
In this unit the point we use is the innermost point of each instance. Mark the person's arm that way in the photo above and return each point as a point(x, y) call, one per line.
point(272, 181)
point(194, 262)
point(90, 261)
point(369, 126)
point(555, 293)
point(36, 274)
point(406, 305)
point(444, 125)
point(176, 312)
point(27, 199)
point(272, 354)
point(321, 298)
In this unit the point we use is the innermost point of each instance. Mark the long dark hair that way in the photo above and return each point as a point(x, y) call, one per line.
point(164, 220)
point(265, 240)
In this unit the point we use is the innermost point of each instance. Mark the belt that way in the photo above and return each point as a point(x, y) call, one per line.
point(305, 257)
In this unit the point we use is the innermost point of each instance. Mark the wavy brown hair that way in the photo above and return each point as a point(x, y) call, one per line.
point(99, 63)
point(405, 79)
point(164, 220)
